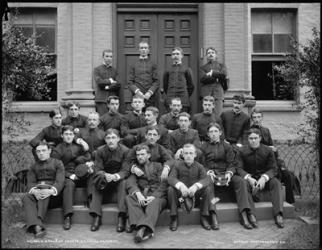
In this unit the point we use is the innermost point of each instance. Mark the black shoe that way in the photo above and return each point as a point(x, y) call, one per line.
point(204, 222)
point(244, 220)
point(67, 222)
point(39, 231)
point(96, 223)
point(173, 223)
point(279, 221)
point(252, 220)
point(121, 223)
point(214, 221)
point(139, 235)
point(128, 227)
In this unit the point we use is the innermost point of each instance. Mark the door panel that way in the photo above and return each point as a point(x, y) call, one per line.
point(163, 32)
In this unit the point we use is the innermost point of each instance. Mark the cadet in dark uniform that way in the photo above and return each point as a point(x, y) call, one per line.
point(147, 195)
point(143, 77)
point(170, 120)
point(110, 170)
point(219, 160)
point(214, 80)
point(45, 180)
point(178, 80)
point(107, 82)
point(72, 154)
point(74, 118)
point(50, 134)
point(257, 165)
point(201, 120)
point(188, 180)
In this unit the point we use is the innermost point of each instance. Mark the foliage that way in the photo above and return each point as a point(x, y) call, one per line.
point(302, 70)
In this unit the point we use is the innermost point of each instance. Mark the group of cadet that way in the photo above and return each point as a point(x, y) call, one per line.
point(149, 163)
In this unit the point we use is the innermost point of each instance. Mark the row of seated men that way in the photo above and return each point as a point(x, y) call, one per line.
point(181, 166)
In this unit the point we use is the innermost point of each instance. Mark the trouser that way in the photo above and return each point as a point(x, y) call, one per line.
point(289, 181)
point(68, 194)
point(101, 108)
point(144, 216)
point(36, 210)
point(202, 198)
point(95, 205)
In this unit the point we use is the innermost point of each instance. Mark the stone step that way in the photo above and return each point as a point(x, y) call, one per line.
point(227, 212)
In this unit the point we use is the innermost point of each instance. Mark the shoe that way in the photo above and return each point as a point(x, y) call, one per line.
point(39, 231)
point(121, 224)
point(139, 235)
point(204, 222)
point(189, 204)
point(214, 221)
point(279, 221)
point(67, 222)
point(128, 227)
point(96, 223)
point(173, 223)
point(244, 220)
point(252, 220)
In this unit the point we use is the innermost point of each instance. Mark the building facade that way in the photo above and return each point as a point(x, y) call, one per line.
point(250, 39)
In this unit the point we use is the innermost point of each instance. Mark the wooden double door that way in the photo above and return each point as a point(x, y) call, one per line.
point(163, 32)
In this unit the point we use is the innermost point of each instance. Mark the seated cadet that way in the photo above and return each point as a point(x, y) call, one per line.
point(147, 195)
point(45, 180)
point(112, 118)
point(257, 165)
point(184, 134)
point(74, 156)
point(151, 116)
point(74, 118)
point(158, 153)
point(109, 174)
point(201, 120)
point(170, 120)
point(133, 120)
point(219, 162)
point(286, 176)
point(50, 134)
point(235, 122)
point(188, 181)
point(92, 135)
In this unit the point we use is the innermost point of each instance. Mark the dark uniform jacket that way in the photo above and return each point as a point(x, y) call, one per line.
point(216, 84)
point(178, 82)
point(265, 134)
point(112, 161)
point(71, 155)
point(164, 136)
point(150, 182)
point(93, 137)
point(49, 134)
point(77, 122)
point(218, 157)
point(256, 162)
point(143, 75)
point(201, 121)
point(235, 126)
point(102, 74)
point(51, 172)
point(112, 120)
point(178, 138)
point(132, 122)
point(169, 121)
point(189, 175)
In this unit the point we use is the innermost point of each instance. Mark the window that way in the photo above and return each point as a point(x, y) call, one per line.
point(272, 32)
point(41, 22)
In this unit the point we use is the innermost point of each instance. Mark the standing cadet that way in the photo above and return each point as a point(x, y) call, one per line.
point(143, 77)
point(170, 120)
point(45, 180)
point(74, 118)
point(106, 82)
point(214, 80)
point(178, 80)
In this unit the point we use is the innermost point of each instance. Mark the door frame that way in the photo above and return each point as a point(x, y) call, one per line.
point(168, 8)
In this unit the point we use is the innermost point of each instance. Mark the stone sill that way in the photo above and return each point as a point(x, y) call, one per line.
point(34, 106)
point(273, 106)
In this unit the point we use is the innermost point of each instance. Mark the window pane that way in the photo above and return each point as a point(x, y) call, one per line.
point(26, 31)
point(283, 23)
point(282, 43)
point(262, 43)
point(261, 23)
point(47, 37)
point(45, 16)
point(283, 91)
point(262, 84)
